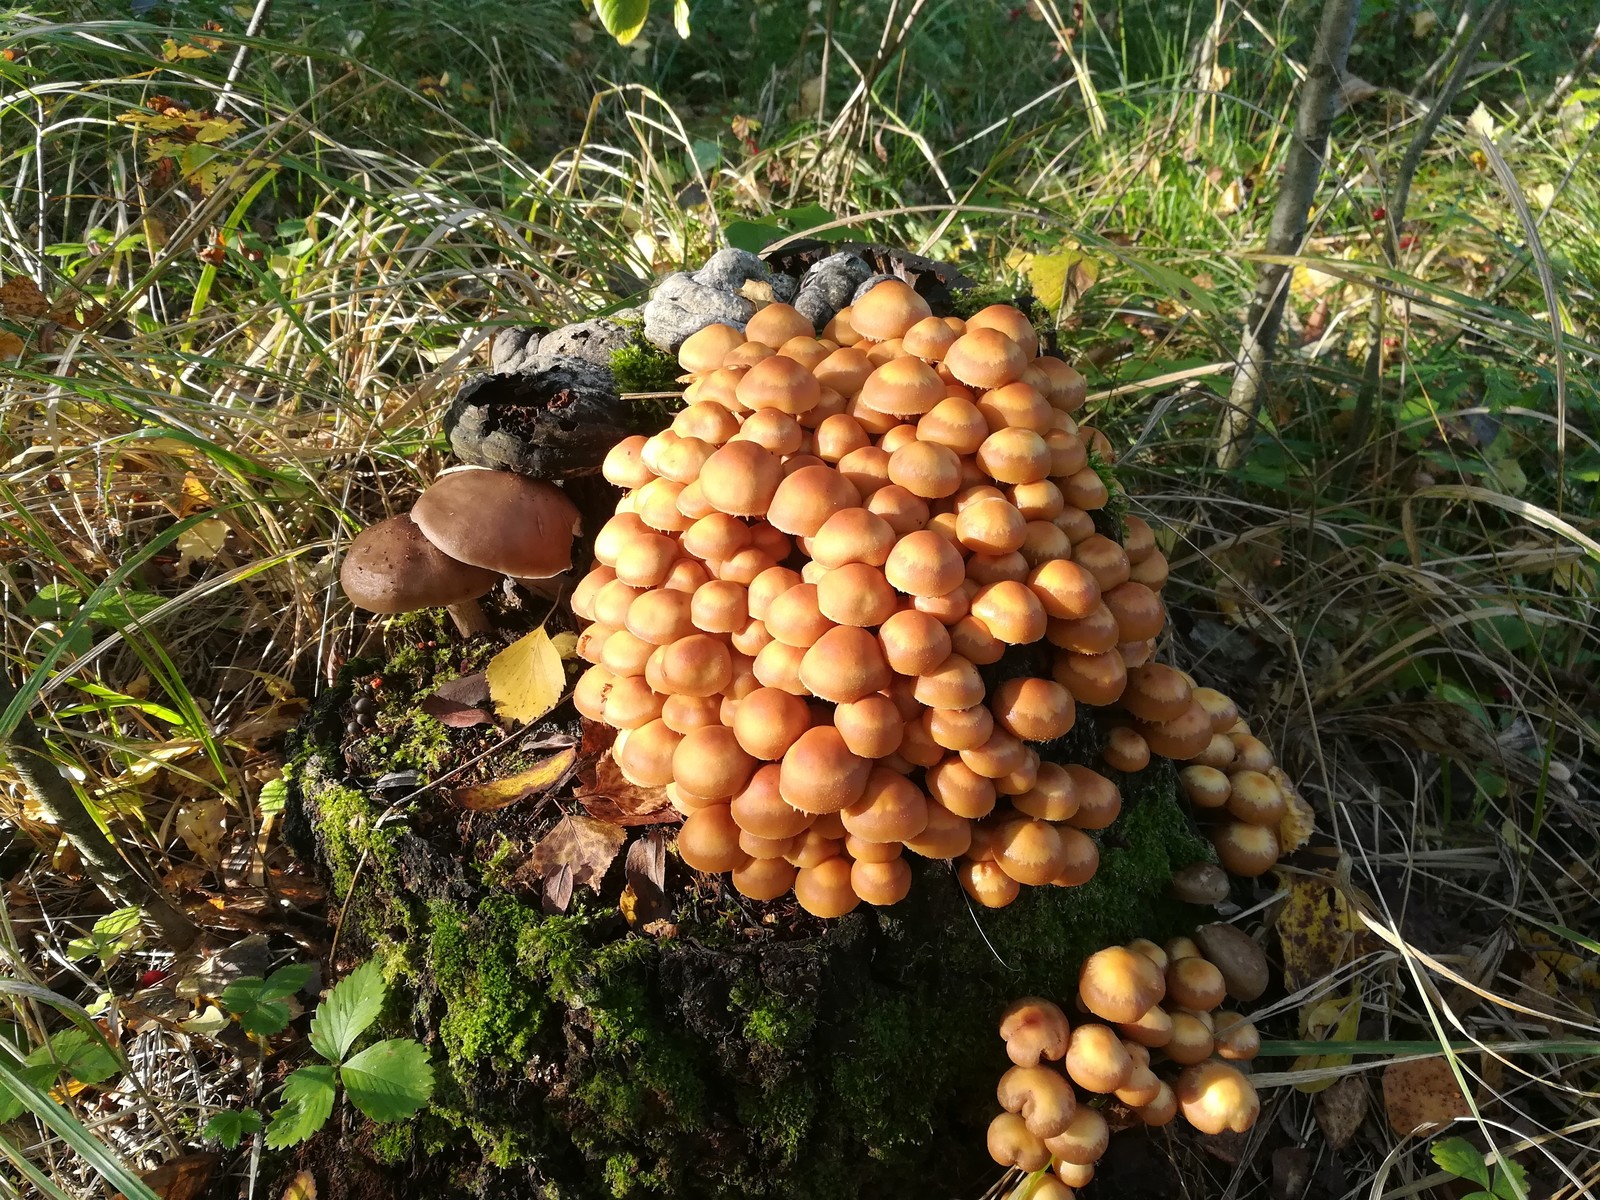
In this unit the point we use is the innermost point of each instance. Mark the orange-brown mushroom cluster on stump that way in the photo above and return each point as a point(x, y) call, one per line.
point(791, 606)
point(1251, 811)
point(1155, 1041)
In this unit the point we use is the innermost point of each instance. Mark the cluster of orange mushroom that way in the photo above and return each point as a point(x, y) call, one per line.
point(1252, 813)
point(791, 606)
point(1154, 1006)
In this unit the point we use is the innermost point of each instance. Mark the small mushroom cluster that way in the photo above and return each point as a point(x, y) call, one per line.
point(1160, 1047)
point(1231, 777)
point(465, 531)
point(792, 604)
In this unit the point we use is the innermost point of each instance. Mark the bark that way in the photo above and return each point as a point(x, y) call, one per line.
point(1319, 103)
point(116, 878)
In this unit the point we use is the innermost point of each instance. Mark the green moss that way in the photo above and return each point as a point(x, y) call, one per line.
point(394, 1144)
point(1109, 519)
point(348, 829)
point(491, 1015)
point(966, 301)
point(642, 367)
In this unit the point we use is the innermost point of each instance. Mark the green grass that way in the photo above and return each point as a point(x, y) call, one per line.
point(1408, 615)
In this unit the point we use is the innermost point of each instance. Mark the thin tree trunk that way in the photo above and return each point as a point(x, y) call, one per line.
point(113, 875)
point(1302, 170)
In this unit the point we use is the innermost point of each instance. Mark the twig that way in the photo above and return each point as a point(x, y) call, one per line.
point(258, 18)
point(1302, 170)
point(113, 875)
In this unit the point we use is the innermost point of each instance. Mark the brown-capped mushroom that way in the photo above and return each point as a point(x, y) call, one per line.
point(391, 567)
point(1083, 1142)
point(1041, 1096)
point(499, 521)
point(1012, 1144)
point(1237, 956)
point(1097, 1061)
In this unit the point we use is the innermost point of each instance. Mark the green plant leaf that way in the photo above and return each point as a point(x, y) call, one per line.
point(307, 1104)
point(1510, 1181)
point(230, 1128)
point(112, 935)
point(274, 793)
point(1461, 1158)
point(259, 1003)
point(389, 1080)
point(354, 1004)
point(40, 1076)
point(623, 19)
point(752, 235)
point(79, 1055)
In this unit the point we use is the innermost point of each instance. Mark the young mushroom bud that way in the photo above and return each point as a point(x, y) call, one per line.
point(1011, 1144)
point(1214, 1098)
point(1194, 983)
point(1041, 1096)
point(1200, 883)
point(1034, 1029)
point(825, 890)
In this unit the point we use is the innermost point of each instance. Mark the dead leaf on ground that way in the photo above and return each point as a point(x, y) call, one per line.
point(644, 899)
point(609, 797)
point(1318, 931)
point(460, 703)
point(526, 679)
point(581, 844)
point(1336, 1019)
point(271, 721)
point(1421, 1094)
point(181, 1178)
point(1340, 1110)
point(202, 824)
point(489, 797)
point(558, 890)
point(21, 297)
point(302, 1187)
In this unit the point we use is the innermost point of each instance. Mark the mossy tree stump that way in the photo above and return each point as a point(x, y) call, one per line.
point(736, 1049)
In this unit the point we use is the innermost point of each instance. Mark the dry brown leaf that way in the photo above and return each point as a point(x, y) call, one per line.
point(611, 798)
point(644, 899)
point(487, 797)
point(584, 845)
point(1421, 1094)
point(460, 703)
point(1341, 1109)
point(11, 346)
point(21, 297)
point(302, 1187)
point(181, 1178)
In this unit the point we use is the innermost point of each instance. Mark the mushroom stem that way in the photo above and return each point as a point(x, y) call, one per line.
point(469, 617)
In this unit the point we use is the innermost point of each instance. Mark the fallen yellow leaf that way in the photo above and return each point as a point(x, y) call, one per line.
point(526, 679)
point(486, 797)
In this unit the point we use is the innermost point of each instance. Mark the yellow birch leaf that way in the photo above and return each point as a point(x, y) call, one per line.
point(526, 679)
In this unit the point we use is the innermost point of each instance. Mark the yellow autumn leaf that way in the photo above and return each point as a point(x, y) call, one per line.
point(1318, 931)
point(201, 542)
point(302, 1187)
point(1299, 821)
point(1333, 1020)
point(1058, 280)
point(526, 679)
point(487, 797)
point(566, 645)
